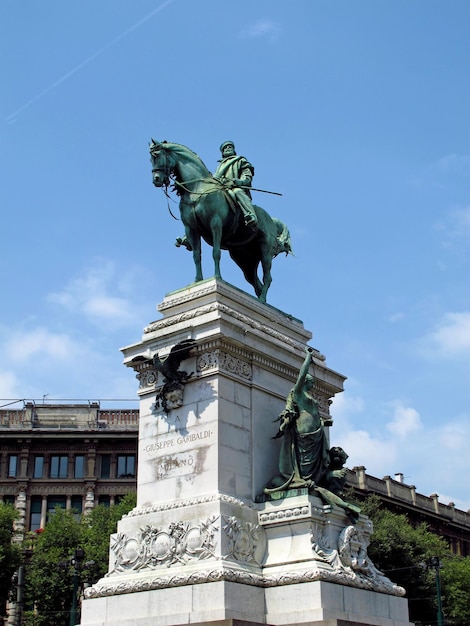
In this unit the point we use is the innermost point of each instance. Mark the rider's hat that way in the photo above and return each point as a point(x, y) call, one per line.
point(226, 143)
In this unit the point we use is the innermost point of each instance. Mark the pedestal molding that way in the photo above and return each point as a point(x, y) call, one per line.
point(263, 328)
point(233, 575)
point(181, 504)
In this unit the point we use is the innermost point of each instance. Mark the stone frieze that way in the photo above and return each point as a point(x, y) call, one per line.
point(178, 543)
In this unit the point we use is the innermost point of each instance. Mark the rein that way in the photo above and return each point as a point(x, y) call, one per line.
point(182, 186)
point(199, 180)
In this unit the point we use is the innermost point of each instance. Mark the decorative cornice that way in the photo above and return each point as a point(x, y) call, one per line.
point(183, 317)
point(179, 504)
point(263, 328)
point(182, 298)
point(289, 514)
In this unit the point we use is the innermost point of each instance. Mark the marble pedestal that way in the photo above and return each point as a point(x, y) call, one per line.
point(202, 547)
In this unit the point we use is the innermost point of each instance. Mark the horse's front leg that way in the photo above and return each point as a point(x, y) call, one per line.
point(194, 239)
point(216, 228)
point(266, 262)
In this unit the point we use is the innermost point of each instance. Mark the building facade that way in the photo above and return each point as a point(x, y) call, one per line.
point(442, 519)
point(72, 456)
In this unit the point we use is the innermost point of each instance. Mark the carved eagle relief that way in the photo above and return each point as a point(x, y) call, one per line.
point(169, 367)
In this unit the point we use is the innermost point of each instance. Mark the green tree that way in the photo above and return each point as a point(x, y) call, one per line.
point(48, 585)
point(96, 529)
point(10, 554)
point(49, 579)
point(455, 581)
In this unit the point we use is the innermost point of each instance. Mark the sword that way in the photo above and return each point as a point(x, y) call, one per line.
point(222, 181)
point(274, 193)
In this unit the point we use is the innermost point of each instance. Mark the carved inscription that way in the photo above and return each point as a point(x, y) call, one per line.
point(172, 443)
point(180, 453)
point(174, 466)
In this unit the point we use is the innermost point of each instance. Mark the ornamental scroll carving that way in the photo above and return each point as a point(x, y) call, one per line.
point(147, 378)
point(179, 543)
point(224, 361)
point(147, 373)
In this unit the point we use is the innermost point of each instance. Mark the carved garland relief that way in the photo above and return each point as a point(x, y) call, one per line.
point(183, 542)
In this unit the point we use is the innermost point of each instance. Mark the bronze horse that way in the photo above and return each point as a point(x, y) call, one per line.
point(207, 212)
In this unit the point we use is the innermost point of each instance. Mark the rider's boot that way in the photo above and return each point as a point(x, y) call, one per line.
point(251, 221)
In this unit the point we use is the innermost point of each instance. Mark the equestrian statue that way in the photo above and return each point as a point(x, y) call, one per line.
point(218, 208)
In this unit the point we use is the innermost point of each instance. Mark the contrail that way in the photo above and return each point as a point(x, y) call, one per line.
point(87, 61)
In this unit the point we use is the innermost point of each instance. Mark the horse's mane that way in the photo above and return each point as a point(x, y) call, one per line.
point(187, 154)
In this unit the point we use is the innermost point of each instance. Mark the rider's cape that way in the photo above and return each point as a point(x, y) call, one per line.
point(235, 167)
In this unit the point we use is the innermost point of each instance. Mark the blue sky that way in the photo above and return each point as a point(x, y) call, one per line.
point(357, 112)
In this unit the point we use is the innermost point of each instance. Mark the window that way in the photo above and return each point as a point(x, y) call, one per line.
point(126, 466)
point(38, 466)
point(12, 465)
point(77, 506)
point(105, 466)
point(104, 500)
point(35, 514)
point(53, 502)
point(79, 466)
point(59, 466)
point(7, 499)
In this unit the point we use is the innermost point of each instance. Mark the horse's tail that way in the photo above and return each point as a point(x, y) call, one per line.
point(283, 239)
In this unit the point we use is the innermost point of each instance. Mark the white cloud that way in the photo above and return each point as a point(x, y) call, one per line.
point(454, 436)
point(432, 457)
point(91, 295)
point(345, 405)
point(9, 387)
point(62, 366)
point(23, 345)
point(376, 453)
point(451, 337)
point(404, 422)
point(262, 28)
point(344, 411)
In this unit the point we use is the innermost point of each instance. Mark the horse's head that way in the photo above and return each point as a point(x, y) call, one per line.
point(162, 164)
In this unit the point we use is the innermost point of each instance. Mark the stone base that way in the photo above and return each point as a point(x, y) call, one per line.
point(205, 545)
point(225, 603)
point(220, 561)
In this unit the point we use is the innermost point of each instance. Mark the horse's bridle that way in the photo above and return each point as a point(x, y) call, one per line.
point(165, 170)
